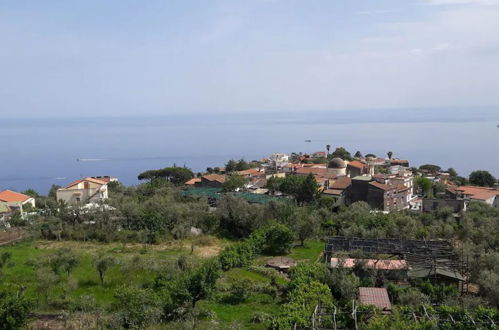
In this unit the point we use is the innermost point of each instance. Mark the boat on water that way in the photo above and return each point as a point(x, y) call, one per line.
point(90, 159)
point(308, 140)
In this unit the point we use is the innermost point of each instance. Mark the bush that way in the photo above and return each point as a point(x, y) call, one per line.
point(14, 309)
point(135, 308)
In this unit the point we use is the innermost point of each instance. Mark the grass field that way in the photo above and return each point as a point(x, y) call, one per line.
point(138, 264)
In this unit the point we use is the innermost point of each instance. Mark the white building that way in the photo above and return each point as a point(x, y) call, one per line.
point(278, 160)
point(84, 191)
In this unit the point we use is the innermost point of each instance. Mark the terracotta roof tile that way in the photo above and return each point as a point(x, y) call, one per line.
point(193, 181)
point(375, 296)
point(381, 185)
point(342, 182)
point(335, 192)
point(215, 177)
point(357, 164)
point(480, 193)
point(89, 179)
point(12, 196)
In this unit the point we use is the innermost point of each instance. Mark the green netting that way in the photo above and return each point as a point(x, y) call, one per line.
point(216, 193)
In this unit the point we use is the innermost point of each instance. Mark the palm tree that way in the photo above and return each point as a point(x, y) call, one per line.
point(327, 148)
point(390, 154)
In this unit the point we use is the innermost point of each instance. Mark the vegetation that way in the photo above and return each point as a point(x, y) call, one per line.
point(482, 178)
point(139, 264)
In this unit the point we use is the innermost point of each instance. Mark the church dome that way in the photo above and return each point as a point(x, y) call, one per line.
point(337, 163)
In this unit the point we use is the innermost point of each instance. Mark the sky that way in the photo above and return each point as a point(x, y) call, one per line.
point(132, 57)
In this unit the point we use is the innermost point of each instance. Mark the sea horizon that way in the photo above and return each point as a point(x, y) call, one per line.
point(44, 151)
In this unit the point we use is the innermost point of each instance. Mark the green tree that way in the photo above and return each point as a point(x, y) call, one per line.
point(389, 154)
point(328, 147)
point(424, 185)
point(31, 193)
point(14, 309)
point(305, 224)
point(370, 156)
point(136, 308)
point(430, 168)
point(358, 154)
point(482, 178)
point(452, 172)
point(231, 166)
point(233, 182)
point(341, 153)
point(242, 165)
point(176, 175)
point(63, 259)
point(102, 265)
point(277, 238)
point(203, 280)
point(304, 188)
point(309, 190)
point(53, 191)
point(148, 175)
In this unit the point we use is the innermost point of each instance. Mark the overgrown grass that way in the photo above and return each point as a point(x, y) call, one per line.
point(135, 264)
point(310, 252)
point(227, 314)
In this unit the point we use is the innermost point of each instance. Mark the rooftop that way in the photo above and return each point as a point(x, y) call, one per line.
point(375, 296)
point(10, 196)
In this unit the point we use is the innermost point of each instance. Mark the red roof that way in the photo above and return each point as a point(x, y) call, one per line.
point(250, 172)
point(381, 185)
point(12, 196)
point(334, 192)
point(193, 181)
point(480, 193)
point(375, 296)
point(313, 170)
point(342, 182)
point(89, 179)
point(357, 164)
point(215, 177)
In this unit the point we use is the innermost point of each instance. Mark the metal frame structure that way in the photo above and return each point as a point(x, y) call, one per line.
point(415, 315)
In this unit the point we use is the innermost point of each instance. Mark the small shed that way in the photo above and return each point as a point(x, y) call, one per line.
point(377, 297)
point(282, 264)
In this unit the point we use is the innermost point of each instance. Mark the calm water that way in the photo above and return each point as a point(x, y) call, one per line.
point(37, 153)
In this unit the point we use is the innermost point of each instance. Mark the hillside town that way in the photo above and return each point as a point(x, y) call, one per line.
point(361, 237)
point(385, 184)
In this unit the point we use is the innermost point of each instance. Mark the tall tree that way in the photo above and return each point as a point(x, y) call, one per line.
point(482, 178)
point(328, 147)
point(358, 154)
point(389, 154)
point(233, 182)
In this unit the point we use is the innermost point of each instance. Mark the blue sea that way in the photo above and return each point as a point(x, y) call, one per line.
point(38, 152)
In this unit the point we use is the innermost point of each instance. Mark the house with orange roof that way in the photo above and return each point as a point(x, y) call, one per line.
point(356, 168)
point(251, 173)
point(487, 195)
point(337, 188)
point(84, 191)
point(211, 180)
point(193, 181)
point(14, 200)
